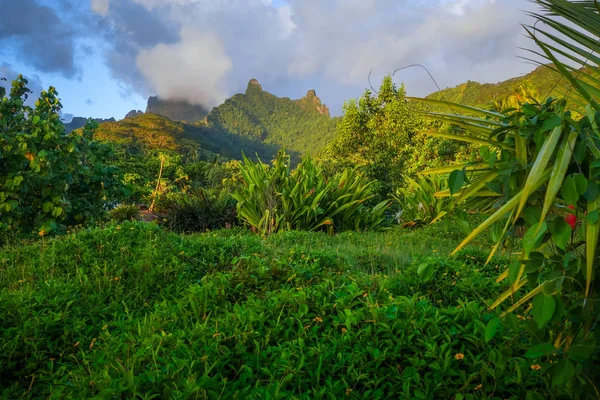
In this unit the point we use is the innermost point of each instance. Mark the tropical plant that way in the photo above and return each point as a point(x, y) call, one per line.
point(49, 178)
point(418, 201)
point(125, 212)
point(536, 161)
point(198, 211)
point(278, 198)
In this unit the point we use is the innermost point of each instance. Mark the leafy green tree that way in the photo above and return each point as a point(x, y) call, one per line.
point(377, 134)
point(48, 178)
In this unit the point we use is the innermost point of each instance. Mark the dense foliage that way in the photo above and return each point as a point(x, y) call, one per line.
point(229, 315)
point(49, 179)
point(198, 210)
point(378, 135)
point(276, 198)
point(419, 203)
point(542, 163)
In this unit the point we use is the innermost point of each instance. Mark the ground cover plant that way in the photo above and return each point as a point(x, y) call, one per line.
point(134, 311)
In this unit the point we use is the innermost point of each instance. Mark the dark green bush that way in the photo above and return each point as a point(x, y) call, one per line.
point(198, 211)
point(50, 179)
point(125, 212)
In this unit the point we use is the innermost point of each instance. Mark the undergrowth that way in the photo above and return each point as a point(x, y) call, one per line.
point(133, 311)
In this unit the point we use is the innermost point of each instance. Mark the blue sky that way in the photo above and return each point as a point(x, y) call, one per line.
point(106, 57)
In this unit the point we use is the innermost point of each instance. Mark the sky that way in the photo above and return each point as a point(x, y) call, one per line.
point(105, 57)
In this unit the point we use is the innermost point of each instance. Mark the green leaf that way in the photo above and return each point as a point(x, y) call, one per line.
point(581, 183)
point(456, 180)
point(561, 233)
point(513, 271)
point(491, 328)
point(562, 372)
point(425, 271)
point(582, 351)
point(593, 217)
point(552, 123)
point(47, 206)
point(543, 309)
point(534, 234)
point(302, 310)
point(540, 350)
point(573, 187)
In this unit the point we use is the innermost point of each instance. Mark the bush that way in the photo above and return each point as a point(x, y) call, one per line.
point(198, 211)
point(125, 212)
point(418, 202)
point(276, 199)
point(49, 179)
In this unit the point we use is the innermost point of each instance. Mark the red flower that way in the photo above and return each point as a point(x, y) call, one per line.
point(571, 219)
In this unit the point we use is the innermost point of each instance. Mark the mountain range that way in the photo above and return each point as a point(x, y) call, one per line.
point(258, 122)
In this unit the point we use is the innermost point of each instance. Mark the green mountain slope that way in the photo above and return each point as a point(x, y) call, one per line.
point(255, 122)
point(303, 126)
point(155, 132)
point(539, 84)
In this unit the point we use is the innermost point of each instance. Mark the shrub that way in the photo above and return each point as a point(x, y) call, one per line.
point(276, 198)
point(49, 178)
point(198, 211)
point(418, 201)
point(125, 212)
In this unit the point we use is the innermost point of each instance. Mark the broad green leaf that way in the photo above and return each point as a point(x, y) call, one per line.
point(561, 233)
point(426, 271)
point(562, 372)
point(456, 180)
point(514, 271)
point(491, 328)
point(531, 239)
point(540, 350)
point(581, 351)
point(570, 189)
point(552, 122)
point(543, 309)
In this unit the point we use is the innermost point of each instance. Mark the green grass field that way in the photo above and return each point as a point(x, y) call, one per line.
point(133, 311)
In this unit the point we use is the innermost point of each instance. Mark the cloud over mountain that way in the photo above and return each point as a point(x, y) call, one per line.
point(206, 50)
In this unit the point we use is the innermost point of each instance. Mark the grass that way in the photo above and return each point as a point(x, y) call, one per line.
point(133, 311)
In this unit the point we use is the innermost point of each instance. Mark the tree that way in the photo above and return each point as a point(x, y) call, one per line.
point(49, 179)
point(377, 134)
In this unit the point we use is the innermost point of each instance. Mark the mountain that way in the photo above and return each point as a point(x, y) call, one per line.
point(79, 122)
point(133, 113)
point(302, 125)
point(154, 132)
point(176, 110)
point(254, 122)
point(539, 84)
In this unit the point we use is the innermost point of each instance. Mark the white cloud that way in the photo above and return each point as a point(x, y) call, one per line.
point(299, 43)
point(100, 6)
point(192, 69)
